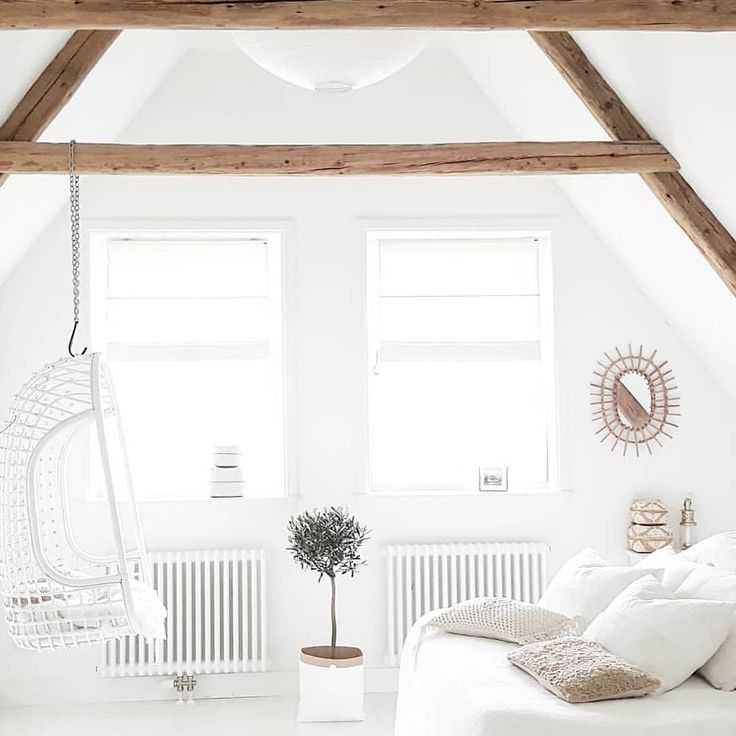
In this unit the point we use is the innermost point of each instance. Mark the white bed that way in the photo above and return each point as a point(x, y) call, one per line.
point(464, 686)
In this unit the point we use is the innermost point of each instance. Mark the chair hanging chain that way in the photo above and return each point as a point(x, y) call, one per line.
point(74, 216)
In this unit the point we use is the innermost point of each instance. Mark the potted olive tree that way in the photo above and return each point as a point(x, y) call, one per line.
point(328, 541)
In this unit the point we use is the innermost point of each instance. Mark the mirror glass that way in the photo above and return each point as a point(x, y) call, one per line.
point(633, 400)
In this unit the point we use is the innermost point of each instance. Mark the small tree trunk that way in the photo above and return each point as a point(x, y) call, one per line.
point(332, 612)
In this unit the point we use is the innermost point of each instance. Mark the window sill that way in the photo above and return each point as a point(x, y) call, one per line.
point(237, 499)
point(408, 493)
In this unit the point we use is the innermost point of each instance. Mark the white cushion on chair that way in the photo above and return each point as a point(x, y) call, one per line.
point(98, 609)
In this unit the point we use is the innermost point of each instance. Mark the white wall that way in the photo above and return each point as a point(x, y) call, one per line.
point(597, 306)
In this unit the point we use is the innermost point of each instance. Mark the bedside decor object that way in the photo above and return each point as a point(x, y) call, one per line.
point(633, 399)
point(328, 541)
point(687, 522)
point(648, 530)
point(493, 478)
point(226, 474)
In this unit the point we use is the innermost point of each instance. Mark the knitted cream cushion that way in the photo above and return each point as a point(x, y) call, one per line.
point(504, 619)
point(581, 671)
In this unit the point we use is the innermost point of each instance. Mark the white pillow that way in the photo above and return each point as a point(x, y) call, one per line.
point(716, 585)
point(665, 636)
point(675, 569)
point(586, 584)
point(718, 550)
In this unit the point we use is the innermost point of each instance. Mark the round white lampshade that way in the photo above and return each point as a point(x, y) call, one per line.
point(332, 61)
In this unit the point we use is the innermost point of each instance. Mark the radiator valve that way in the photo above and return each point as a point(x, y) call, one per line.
point(185, 684)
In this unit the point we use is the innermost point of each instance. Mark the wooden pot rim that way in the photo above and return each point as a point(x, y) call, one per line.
point(326, 656)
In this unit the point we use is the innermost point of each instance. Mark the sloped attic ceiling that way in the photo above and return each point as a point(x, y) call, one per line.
point(111, 95)
point(680, 87)
point(676, 83)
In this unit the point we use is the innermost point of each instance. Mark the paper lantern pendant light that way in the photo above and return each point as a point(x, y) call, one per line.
point(332, 61)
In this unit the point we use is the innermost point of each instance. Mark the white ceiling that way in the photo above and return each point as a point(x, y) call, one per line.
point(679, 85)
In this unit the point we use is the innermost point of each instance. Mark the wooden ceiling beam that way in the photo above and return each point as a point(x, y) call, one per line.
point(55, 86)
point(594, 157)
point(687, 209)
point(667, 15)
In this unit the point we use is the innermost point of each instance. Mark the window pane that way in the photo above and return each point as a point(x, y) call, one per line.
point(458, 267)
point(174, 412)
point(187, 320)
point(460, 319)
point(434, 424)
point(186, 268)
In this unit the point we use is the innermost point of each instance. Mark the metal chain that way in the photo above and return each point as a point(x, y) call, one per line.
point(74, 213)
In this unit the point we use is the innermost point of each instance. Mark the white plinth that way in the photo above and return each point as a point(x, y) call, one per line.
point(330, 688)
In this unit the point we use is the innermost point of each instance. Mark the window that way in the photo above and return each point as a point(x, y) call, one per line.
point(460, 374)
point(192, 326)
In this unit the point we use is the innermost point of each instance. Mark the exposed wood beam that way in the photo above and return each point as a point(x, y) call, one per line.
point(684, 205)
point(57, 83)
point(369, 160)
point(683, 15)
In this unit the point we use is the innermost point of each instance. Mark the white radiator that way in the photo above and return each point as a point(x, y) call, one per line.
point(423, 577)
point(216, 602)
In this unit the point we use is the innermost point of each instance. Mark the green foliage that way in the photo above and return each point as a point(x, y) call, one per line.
point(327, 541)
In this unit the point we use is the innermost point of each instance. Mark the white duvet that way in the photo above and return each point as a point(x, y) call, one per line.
point(464, 686)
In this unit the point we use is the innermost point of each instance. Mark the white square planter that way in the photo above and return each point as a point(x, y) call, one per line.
point(330, 684)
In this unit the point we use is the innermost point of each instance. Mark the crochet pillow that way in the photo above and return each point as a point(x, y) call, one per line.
point(504, 619)
point(581, 671)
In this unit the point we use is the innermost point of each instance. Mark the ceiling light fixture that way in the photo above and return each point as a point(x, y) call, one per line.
point(332, 61)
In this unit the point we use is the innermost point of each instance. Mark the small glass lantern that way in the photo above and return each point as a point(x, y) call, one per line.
point(687, 522)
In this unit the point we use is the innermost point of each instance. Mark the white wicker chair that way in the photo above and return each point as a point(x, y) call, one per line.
point(55, 594)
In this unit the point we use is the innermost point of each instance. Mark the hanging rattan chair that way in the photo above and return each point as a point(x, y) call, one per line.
point(55, 594)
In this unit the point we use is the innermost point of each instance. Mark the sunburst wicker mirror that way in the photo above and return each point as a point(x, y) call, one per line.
point(633, 399)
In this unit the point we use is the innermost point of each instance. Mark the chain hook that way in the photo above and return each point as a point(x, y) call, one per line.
point(71, 341)
point(74, 217)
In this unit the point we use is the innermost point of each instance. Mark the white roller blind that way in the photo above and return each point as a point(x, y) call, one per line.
point(482, 267)
point(186, 291)
point(463, 291)
point(187, 269)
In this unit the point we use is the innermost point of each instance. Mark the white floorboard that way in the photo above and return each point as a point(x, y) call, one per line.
point(261, 716)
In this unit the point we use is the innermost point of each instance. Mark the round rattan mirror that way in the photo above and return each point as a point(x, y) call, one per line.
point(633, 399)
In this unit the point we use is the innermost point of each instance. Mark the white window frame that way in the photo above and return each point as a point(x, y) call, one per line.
point(373, 236)
point(278, 234)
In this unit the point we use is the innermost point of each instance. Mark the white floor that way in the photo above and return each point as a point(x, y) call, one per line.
point(242, 716)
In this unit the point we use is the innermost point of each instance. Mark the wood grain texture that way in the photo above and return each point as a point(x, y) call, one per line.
point(55, 86)
point(707, 232)
point(333, 160)
point(684, 205)
point(703, 15)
